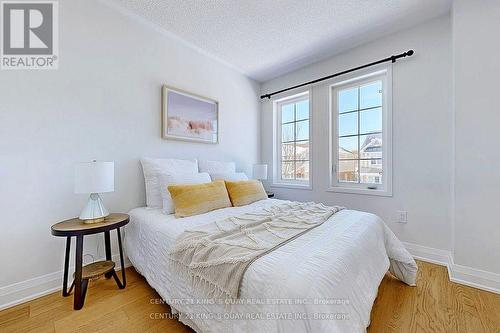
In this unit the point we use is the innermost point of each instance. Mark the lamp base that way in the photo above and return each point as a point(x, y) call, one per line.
point(91, 221)
point(94, 211)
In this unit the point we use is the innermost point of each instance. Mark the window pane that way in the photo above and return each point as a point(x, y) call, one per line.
point(371, 171)
point(371, 146)
point(287, 132)
point(302, 172)
point(302, 130)
point(348, 147)
point(348, 100)
point(287, 170)
point(348, 124)
point(347, 171)
point(302, 150)
point(287, 113)
point(287, 153)
point(370, 95)
point(302, 110)
point(370, 121)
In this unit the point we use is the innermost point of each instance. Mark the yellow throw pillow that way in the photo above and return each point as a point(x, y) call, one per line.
point(197, 199)
point(245, 192)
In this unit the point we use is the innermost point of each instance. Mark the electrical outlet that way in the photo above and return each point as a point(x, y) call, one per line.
point(402, 216)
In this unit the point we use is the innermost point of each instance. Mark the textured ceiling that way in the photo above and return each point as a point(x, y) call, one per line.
point(267, 38)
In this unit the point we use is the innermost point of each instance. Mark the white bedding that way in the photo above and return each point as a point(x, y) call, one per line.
point(323, 281)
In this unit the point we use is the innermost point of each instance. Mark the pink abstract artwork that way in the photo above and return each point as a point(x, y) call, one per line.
point(189, 117)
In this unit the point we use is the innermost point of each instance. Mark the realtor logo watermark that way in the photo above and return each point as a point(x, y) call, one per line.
point(29, 35)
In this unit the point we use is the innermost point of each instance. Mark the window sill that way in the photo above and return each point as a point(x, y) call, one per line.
point(362, 191)
point(292, 186)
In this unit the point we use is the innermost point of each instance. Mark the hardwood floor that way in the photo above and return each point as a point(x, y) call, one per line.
point(435, 305)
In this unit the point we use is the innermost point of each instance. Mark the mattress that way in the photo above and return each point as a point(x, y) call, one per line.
point(323, 281)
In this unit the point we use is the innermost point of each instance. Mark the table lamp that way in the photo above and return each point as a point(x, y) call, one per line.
point(260, 171)
point(94, 178)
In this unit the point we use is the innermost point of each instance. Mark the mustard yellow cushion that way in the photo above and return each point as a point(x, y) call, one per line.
point(194, 199)
point(245, 192)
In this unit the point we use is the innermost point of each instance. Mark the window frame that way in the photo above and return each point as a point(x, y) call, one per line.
point(384, 73)
point(277, 136)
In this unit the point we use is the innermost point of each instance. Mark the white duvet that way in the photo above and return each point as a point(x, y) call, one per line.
point(323, 281)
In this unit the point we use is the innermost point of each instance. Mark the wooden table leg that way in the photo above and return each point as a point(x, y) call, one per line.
point(65, 291)
point(124, 279)
point(80, 288)
point(123, 283)
point(107, 249)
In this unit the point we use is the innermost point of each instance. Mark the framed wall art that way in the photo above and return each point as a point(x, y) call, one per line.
point(189, 117)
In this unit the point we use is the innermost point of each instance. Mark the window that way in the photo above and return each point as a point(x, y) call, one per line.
point(361, 124)
point(292, 154)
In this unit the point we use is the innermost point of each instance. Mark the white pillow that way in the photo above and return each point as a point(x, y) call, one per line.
point(186, 178)
point(217, 167)
point(152, 167)
point(230, 176)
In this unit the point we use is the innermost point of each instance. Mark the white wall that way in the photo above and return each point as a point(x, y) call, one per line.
point(102, 103)
point(422, 135)
point(477, 118)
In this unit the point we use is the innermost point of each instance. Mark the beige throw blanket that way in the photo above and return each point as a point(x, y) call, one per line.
point(217, 255)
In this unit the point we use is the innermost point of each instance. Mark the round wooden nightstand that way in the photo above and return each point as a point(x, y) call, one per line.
point(76, 228)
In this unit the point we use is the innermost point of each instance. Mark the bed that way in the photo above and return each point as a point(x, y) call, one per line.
point(324, 281)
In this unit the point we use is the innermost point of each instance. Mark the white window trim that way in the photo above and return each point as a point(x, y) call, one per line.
point(277, 181)
point(385, 73)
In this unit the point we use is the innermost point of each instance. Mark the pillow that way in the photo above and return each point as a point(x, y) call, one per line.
point(178, 179)
point(245, 192)
point(217, 167)
point(197, 199)
point(152, 167)
point(231, 176)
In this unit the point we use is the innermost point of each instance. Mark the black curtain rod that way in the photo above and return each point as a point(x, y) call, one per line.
point(392, 58)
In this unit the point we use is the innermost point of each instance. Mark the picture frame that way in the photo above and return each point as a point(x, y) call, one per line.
point(189, 117)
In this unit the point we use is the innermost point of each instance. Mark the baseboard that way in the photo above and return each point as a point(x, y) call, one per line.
point(429, 254)
point(475, 278)
point(468, 276)
point(25, 291)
